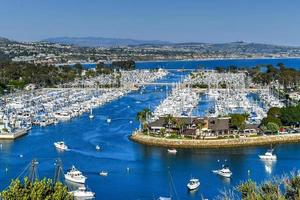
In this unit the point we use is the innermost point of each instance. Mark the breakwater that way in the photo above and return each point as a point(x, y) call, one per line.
point(214, 143)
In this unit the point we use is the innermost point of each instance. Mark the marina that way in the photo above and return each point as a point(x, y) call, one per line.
point(146, 163)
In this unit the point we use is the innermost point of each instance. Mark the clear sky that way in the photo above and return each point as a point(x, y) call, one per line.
point(268, 21)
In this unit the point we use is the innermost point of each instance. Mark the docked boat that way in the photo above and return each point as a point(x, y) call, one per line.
point(91, 116)
point(83, 193)
point(268, 156)
point(74, 175)
point(103, 173)
point(61, 145)
point(173, 151)
point(193, 184)
point(225, 172)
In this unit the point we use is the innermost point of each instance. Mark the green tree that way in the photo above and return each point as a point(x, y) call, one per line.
point(39, 189)
point(272, 127)
point(238, 121)
point(79, 68)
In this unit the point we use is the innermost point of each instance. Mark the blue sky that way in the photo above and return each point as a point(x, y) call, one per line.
point(268, 21)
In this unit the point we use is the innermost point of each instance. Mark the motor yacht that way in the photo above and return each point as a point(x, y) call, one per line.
point(193, 184)
point(74, 175)
point(61, 145)
point(268, 156)
point(224, 172)
point(82, 192)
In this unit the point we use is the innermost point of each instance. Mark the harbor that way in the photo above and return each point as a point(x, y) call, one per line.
point(47, 106)
point(127, 165)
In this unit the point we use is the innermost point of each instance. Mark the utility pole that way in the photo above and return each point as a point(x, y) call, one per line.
point(58, 170)
point(33, 175)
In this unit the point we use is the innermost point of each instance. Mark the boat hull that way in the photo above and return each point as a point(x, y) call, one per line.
point(69, 178)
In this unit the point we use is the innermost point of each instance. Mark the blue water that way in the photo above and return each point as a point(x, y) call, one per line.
point(211, 64)
point(147, 177)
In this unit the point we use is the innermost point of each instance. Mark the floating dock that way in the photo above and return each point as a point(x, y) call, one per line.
point(12, 136)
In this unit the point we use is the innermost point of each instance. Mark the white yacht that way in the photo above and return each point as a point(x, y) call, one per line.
point(173, 151)
point(75, 176)
point(193, 184)
point(82, 192)
point(225, 172)
point(268, 156)
point(61, 145)
point(103, 173)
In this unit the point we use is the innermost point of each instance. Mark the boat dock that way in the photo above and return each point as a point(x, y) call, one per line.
point(14, 135)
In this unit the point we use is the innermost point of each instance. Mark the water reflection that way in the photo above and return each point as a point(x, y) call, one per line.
point(269, 165)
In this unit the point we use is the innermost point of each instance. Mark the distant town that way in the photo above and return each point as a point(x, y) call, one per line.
point(71, 51)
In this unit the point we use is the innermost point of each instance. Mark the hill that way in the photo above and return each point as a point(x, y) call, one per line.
point(101, 41)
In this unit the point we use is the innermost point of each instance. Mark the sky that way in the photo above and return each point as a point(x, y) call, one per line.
point(264, 21)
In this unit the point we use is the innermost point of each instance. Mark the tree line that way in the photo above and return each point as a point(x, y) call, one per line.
point(39, 189)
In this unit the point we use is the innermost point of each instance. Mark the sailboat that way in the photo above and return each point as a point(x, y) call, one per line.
point(91, 116)
point(171, 188)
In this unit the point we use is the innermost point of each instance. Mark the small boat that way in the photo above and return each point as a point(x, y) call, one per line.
point(193, 184)
point(82, 192)
point(91, 116)
point(225, 172)
point(173, 151)
point(268, 156)
point(103, 173)
point(61, 145)
point(97, 147)
point(108, 120)
point(164, 198)
point(74, 175)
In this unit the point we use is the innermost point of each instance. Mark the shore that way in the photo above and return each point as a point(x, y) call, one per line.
point(214, 143)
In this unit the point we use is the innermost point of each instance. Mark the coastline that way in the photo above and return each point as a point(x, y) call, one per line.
point(200, 59)
point(214, 143)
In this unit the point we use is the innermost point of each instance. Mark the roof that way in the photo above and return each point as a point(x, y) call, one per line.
point(218, 124)
point(186, 120)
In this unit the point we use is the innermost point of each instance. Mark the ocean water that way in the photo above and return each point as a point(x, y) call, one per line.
point(137, 171)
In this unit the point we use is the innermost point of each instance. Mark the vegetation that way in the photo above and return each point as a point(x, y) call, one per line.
point(39, 189)
point(286, 188)
point(199, 85)
point(238, 121)
point(143, 116)
point(17, 75)
point(288, 77)
point(286, 116)
point(125, 65)
point(102, 69)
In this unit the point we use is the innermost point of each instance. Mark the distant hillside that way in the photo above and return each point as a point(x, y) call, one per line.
point(231, 47)
point(4, 40)
point(101, 42)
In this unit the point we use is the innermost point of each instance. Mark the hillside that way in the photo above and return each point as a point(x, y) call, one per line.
point(101, 41)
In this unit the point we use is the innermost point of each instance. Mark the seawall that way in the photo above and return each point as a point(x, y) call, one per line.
point(214, 143)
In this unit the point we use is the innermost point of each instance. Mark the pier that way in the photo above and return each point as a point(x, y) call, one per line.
point(14, 135)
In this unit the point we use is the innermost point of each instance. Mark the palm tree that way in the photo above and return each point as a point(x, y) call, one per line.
point(180, 125)
point(143, 116)
point(169, 120)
